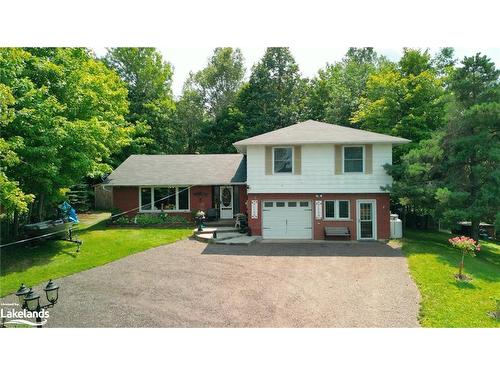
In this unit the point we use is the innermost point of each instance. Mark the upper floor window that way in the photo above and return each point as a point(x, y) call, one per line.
point(283, 159)
point(353, 159)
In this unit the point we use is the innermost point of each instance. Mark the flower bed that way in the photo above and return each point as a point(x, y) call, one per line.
point(162, 220)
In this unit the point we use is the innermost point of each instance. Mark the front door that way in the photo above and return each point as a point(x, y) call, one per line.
point(367, 219)
point(226, 202)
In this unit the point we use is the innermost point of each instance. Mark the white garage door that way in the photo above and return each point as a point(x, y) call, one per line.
point(286, 220)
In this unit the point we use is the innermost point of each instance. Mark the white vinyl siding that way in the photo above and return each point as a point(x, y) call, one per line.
point(318, 172)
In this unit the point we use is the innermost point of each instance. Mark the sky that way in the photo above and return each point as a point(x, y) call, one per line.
point(310, 60)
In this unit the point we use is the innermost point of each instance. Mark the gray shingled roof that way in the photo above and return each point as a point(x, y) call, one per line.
point(311, 131)
point(148, 170)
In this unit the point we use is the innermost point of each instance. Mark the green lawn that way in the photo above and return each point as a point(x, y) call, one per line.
point(446, 302)
point(101, 245)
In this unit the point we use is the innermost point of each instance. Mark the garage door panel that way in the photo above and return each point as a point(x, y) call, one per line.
point(287, 220)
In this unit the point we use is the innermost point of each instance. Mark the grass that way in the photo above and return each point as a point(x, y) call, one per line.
point(101, 245)
point(445, 301)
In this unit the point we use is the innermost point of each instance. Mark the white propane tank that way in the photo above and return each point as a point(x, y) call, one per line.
point(396, 226)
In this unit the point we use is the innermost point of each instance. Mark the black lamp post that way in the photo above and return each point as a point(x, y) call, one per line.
point(30, 300)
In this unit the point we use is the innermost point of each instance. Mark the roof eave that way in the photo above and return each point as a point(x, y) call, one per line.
point(242, 146)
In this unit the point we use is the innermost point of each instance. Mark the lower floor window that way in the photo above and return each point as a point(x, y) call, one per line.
point(338, 209)
point(161, 198)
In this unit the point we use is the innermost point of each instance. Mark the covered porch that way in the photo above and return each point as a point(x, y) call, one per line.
point(220, 202)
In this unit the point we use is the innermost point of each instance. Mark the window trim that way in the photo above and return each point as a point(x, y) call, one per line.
point(293, 161)
point(151, 189)
point(363, 159)
point(337, 212)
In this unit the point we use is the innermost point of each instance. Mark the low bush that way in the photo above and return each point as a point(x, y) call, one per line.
point(163, 218)
point(148, 219)
point(121, 220)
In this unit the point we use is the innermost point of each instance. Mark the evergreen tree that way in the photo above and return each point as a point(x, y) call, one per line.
point(275, 95)
point(471, 145)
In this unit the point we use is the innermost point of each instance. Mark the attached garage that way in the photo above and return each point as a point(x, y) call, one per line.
point(287, 220)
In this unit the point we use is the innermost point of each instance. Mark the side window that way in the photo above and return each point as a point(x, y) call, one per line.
point(353, 159)
point(330, 209)
point(337, 210)
point(145, 199)
point(183, 198)
point(343, 209)
point(283, 159)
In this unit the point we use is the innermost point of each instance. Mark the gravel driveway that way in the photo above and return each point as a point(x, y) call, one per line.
point(190, 284)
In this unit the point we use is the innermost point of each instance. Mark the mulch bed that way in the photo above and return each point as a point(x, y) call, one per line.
point(165, 225)
point(463, 277)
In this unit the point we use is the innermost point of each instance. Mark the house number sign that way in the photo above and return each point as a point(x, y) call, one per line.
point(319, 210)
point(255, 209)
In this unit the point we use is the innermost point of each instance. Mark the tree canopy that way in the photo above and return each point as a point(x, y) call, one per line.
point(64, 118)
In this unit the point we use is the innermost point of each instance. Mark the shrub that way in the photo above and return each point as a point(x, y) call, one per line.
point(121, 220)
point(468, 246)
point(148, 219)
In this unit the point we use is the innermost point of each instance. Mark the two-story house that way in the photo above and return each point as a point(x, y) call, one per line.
point(292, 182)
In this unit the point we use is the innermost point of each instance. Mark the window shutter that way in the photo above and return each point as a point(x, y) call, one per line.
point(338, 159)
point(297, 159)
point(269, 160)
point(369, 159)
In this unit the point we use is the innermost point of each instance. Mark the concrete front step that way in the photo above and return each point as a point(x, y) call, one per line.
point(218, 229)
point(227, 237)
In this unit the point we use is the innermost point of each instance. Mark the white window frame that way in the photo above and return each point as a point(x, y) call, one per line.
point(293, 160)
point(374, 219)
point(151, 189)
point(363, 158)
point(337, 211)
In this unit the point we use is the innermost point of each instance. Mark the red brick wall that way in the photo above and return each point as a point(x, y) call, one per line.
point(126, 198)
point(201, 198)
point(243, 199)
point(383, 225)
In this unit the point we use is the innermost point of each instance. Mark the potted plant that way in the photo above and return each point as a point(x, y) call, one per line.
point(466, 245)
point(199, 219)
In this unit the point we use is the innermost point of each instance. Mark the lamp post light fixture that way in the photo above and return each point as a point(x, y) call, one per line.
point(30, 300)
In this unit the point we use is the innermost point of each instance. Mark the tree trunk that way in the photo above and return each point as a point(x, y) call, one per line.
point(474, 229)
point(461, 267)
point(16, 224)
point(40, 208)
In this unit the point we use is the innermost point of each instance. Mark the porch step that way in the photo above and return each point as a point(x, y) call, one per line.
point(227, 236)
point(213, 229)
point(221, 223)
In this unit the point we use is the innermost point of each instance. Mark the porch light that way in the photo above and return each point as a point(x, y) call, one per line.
point(32, 300)
point(21, 293)
point(52, 291)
